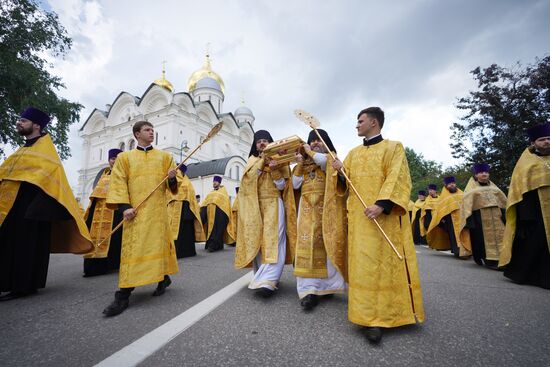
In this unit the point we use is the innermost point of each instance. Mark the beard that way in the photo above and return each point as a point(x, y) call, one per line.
point(24, 132)
point(543, 151)
point(319, 149)
point(452, 190)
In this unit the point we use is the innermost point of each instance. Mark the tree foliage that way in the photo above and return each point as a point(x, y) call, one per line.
point(506, 103)
point(27, 34)
point(423, 171)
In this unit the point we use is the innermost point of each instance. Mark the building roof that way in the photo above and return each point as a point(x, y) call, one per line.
point(213, 167)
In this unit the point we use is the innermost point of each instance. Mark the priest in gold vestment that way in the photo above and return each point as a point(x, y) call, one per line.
point(148, 254)
point(39, 214)
point(437, 238)
point(100, 220)
point(320, 263)
point(185, 217)
point(266, 232)
point(384, 291)
point(216, 217)
point(525, 254)
point(482, 215)
point(418, 239)
point(447, 217)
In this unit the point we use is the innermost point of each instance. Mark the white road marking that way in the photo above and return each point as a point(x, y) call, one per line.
point(138, 351)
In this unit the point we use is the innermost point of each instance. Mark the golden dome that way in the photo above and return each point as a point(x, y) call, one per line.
point(162, 81)
point(205, 71)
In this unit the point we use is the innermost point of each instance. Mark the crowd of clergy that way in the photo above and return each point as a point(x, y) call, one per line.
point(345, 226)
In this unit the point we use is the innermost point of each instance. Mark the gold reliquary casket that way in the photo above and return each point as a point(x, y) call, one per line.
point(284, 150)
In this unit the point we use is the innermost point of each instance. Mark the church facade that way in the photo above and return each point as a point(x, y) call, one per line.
point(181, 121)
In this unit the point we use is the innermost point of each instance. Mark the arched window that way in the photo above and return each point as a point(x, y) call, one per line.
point(122, 146)
point(131, 144)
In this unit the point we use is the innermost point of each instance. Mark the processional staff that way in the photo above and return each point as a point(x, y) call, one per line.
point(210, 135)
point(313, 123)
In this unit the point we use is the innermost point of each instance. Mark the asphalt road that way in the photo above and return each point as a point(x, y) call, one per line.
point(474, 317)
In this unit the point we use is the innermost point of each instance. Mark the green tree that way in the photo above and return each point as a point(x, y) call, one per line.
point(506, 103)
point(27, 32)
point(423, 171)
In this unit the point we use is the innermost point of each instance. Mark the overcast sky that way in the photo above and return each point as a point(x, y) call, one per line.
point(331, 58)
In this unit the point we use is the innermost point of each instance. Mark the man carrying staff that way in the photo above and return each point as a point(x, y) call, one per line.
point(148, 254)
point(267, 218)
point(525, 254)
point(437, 239)
point(185, 218)
point(101, 220)
point(482, 215)
point(38, 211)
point(418, 239)
point(447, 216)
point(384, 291)
point(320, 262)
point(216, 217)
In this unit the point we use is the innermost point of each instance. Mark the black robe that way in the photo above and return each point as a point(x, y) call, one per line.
point(530, 262)
point(417, 238)
point(221, 220)
point(475, 226)
point(100, 266)
point(447, 225)
point(185, 243)
point(25, 238)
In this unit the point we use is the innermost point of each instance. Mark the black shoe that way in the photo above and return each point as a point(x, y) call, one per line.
point(373, 334)
point(117, 307)
point(264, 292)
point(309, 302)
point(14, 295)
point(161, 287)
point(491, 264)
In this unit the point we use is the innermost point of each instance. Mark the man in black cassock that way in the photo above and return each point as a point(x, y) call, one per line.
point(418, 239)
point(30, 219)
point(102, 265)
point(220, 199)
point(185, 242)
point(483, 211)
point(525, 256)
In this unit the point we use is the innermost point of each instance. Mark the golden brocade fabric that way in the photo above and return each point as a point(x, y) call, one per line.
point(532, 172)
point(418, 205)
point(322, 223)
point(489, 200)
point(235, 217)
point(383, 290)
point(472, 183)
point(258, 229)
point(185, 192)
point(450, 203)
point(40, 165)
point(437, 239)
point(148, 251)
point(102, 220)
point(218, 198)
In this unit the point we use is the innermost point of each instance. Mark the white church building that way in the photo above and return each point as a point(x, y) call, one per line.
point(181, 121)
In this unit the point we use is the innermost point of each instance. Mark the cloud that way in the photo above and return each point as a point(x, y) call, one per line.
point(331, 58)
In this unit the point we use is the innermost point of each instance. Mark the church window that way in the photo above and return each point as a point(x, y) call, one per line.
point(122, 146)
point(131, 144)
point(238, 173)
point(156, 138)
point(100, 154)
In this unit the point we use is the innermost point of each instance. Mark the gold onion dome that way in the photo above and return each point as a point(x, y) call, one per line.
point(204, 72)
point(163, 82)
